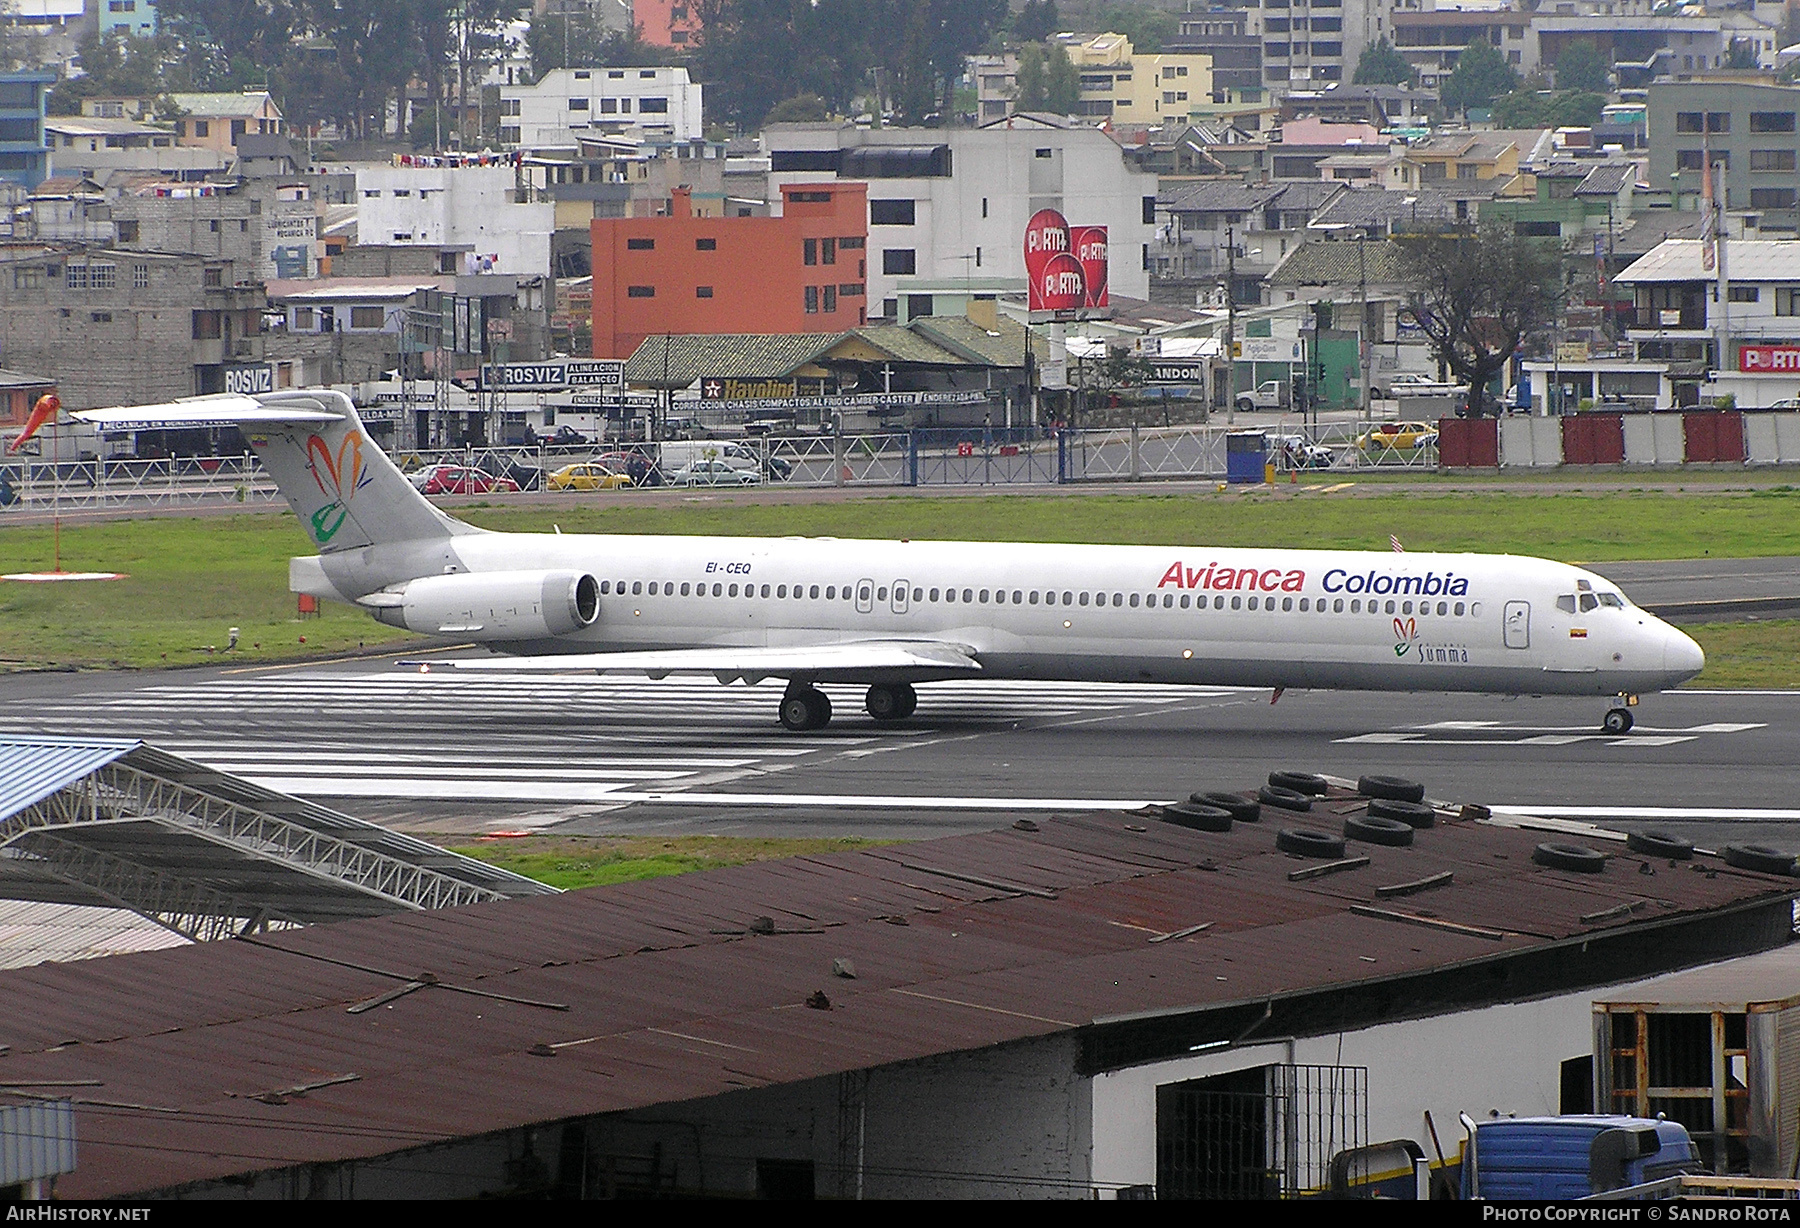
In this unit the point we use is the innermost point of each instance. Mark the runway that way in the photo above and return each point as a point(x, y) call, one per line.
point(444, 754)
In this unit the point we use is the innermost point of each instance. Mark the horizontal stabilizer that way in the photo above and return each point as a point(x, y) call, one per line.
point(223, 409)
point(864, 660)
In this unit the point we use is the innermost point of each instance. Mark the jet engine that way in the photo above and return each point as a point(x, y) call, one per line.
point(491, 605)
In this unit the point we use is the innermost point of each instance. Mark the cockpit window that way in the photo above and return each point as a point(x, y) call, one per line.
point(1589, 602)
point(1566, 603)
point(1613, 600)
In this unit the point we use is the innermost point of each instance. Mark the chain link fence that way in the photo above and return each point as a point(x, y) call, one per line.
point(923, 458)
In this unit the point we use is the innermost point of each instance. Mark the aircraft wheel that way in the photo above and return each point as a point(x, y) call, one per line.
point(1616, 720)
point(891, 701)
point(804, 709)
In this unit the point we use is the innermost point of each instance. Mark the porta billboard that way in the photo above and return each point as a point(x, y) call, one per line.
point(1781, 358)
point(1065, 267)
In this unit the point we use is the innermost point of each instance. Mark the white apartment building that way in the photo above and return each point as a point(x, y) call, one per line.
point(472, 208)
point(572, 102)
point(949, 206)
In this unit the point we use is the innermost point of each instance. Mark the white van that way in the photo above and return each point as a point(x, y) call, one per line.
point(679, 454)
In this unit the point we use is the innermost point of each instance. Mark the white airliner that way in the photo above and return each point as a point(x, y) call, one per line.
point(891, 614)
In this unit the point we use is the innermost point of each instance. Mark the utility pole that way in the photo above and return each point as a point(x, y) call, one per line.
point(1722, 359)
point(1230, 354)
point(1363, 348)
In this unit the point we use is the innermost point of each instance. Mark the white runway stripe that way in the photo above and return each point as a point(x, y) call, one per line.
point(583, 738)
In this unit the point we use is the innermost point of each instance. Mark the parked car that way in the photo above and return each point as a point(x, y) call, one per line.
point(1270, 394)
point(1409, 384)
point(1398, 436)
point(526, 477)
point(588, 477)
point(459, 480)
point(713, 473)
point(635, 465)
point(1299, 452)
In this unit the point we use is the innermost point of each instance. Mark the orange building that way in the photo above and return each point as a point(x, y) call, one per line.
point(666, 23)
point(803, 272)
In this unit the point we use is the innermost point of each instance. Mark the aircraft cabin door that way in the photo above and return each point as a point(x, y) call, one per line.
point(1517, 624)
point(865, 596)
point(902, 590)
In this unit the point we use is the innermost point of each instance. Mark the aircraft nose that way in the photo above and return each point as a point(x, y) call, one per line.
point(1682, 657)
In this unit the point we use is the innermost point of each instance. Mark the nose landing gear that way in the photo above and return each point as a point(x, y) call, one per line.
point(1618, 714)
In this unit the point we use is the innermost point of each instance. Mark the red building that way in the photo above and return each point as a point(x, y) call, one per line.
point(666, 23)
point(803, 272)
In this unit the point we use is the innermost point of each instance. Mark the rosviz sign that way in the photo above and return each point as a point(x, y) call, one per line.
point(554, 376)
point(250, 380)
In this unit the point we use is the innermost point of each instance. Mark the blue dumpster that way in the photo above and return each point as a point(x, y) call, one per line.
point(1246, 452)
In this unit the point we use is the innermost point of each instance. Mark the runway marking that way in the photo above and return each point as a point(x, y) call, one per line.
point(1643, 736)
point(583, 740)
point(1735, 814)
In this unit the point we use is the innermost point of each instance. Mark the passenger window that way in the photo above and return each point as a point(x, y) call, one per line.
point(1019, 596)
point(1303, 605)
point(1566, 603)
point(1118, 599)
point(1237, 603)
point(918, 594)
point(605, 587)
point(1287, 603)
point(1337, 606)
point(934, 594)
point(1390, 607)
point(1134, 601)
point(1443, 608)
point(765, 590)
point(1184, 601)
point(1356, 607)
point(1219, 603)
point(637, 588)
point(780, 590)
point(686, 590)
point(968, 595)
point(1254, 600)
point(1474, 609)
point(831, 592)
point(1459, 609)
point(1068, 598)
point(733, 590)
point(880, 593)
point(815, 592)
point(1406, 608)
point(1084, 599)
point(1033, 597)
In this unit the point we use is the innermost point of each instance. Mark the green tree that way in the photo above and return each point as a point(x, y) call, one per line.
point(1380, 64)
point(1032, 90)
point(579, 40)
point(1036, 22)
point(1576, 109)
point(1582, 67)
point(1481, 76)
point(1062, 82)
point(1477, 294)
point(1742, 54)
point(1147, 27)
point(800, 109)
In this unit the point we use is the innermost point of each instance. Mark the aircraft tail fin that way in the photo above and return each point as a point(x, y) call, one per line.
point(344, 489)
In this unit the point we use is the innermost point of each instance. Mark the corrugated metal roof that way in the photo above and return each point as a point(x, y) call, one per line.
point(32, 768)
point(1750, 259)
point(677, 361)
point(33, 932)
point(958, 944)
point(1333, 263)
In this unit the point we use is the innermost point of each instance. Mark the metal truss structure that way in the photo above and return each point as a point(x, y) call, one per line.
point(146, 833)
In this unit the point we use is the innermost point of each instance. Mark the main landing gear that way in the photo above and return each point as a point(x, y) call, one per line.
point(805, 708)
point(1618, 715)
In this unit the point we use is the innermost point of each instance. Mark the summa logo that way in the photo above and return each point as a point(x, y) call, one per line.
point(1251, 579)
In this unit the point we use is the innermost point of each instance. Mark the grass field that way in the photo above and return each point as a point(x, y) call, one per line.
point(189, 580)
point(571, 862)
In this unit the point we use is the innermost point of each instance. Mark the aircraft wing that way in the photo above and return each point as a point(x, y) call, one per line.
point(855, 661)
point(222, 409)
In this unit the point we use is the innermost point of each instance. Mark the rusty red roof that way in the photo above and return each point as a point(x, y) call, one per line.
point(242, 1056)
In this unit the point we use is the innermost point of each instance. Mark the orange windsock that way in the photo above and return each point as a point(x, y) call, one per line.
point(44, 411)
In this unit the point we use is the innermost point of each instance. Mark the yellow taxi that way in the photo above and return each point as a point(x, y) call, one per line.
point(587, 477)
point(1399, 436)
